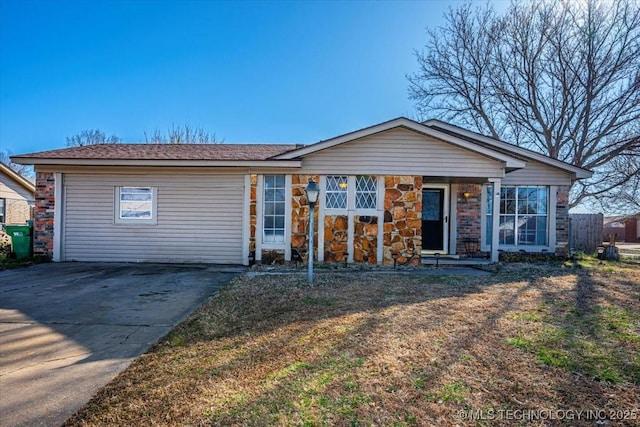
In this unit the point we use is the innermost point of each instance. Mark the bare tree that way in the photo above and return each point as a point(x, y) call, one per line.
point(558, 77)
point(23, 170)
point(91, 137)
point(181, 135)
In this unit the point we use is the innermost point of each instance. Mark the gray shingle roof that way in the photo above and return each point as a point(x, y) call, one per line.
point(166, 152)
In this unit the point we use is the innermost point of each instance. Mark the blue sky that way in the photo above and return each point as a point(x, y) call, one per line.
point(262, 71)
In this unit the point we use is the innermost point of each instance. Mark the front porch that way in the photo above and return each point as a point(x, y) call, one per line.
point(411, 220)
point(407, 220)
point(452, 222)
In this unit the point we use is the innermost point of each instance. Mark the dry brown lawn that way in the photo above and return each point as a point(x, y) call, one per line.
point(533, 344)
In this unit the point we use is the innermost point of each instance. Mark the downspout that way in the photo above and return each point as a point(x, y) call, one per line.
point(570, 239)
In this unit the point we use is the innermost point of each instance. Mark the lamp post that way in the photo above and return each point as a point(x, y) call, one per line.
point(312, 191)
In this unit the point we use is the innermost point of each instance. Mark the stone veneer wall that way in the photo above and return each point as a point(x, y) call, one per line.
point(402, 229)
point(365, 239)
point(300, 215)
point(335, 238)
point(469, 217)
point(43, 215)
point(562, 220)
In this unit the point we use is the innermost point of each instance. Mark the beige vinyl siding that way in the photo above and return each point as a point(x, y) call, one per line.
point(536, 173)
point(12, 190)
point(199, 219)
point(401, 152)
point(17, 198)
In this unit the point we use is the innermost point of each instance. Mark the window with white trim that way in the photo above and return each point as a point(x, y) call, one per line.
point(489, 216)
point(136, 205)
point(336, 192)
point(273, 209)
point(523, 216)
point(366, 192)
point(3, 210)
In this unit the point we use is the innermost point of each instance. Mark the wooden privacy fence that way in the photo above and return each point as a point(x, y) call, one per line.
point(586, 231)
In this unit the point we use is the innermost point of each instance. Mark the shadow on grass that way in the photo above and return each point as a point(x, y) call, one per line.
point(373, 349)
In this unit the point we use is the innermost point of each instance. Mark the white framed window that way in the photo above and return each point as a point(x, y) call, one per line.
point(524, 212)
point(3, 210)
point(366, 192)
point(336, 192)
point(273, 209)
point(136, 205)
point(488, 224)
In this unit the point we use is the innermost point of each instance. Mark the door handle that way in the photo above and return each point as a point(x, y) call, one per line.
point(446, 219)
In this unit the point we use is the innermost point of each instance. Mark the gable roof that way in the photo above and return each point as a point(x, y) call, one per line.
point(140, 154)
point(22, 181)
point(286, 155)
point(580, 173)
point(631, 217)
point(511, 162)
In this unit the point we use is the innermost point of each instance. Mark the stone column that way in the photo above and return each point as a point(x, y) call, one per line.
point(402, 229)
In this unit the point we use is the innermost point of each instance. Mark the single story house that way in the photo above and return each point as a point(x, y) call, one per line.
point(632, 228)
point(613, 225)
point(399, 189)
point(17, 196)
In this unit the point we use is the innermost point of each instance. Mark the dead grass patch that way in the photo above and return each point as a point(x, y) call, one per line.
point(368, 349)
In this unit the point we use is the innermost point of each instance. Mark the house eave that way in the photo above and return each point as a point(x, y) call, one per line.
point(25, 183)
point(577, 172)
point(146, 162)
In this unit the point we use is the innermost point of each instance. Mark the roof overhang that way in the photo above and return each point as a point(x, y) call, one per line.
point(178, 163)
point(577, 172)
point(24, 182)
point(510, 162)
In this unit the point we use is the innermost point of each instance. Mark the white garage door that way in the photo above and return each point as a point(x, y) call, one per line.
point(199, 219)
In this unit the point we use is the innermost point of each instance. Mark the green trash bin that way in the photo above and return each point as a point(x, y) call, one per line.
point(20, 239)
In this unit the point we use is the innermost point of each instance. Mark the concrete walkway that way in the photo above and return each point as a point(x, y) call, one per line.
point(424, 271)
point(629, 249)
point(68, 329)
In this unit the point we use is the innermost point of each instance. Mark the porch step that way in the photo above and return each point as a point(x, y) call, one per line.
point(442, 256)
point(453, 260)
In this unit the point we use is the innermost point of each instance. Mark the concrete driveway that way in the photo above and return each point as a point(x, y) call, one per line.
point(68, 329)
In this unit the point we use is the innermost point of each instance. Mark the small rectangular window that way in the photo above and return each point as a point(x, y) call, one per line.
point(136, 205)
point(366, 192)
point(3, 210)
point(273, 213)
point(336, 192)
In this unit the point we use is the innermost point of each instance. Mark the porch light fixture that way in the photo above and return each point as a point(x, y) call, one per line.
point(312, 192)
point(466, 195)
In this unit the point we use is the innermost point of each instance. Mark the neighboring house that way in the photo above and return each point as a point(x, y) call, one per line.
point(632, 228)
point(626, 228)
point(399, 187)
point(17, 196)
point(614, 225)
